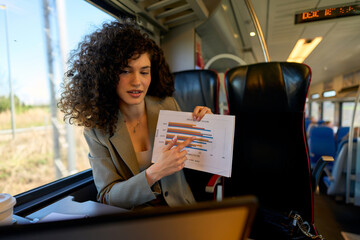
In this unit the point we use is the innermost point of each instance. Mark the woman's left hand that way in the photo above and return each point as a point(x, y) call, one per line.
point(200, 111)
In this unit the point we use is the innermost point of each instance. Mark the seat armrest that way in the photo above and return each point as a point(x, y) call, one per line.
point(319, 168)
point(214, 180)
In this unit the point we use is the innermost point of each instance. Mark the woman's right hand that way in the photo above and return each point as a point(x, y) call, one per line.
point(171, 160)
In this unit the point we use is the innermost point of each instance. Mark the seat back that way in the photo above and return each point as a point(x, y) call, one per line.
point(337, 184)
point(341, 132)
point(321, 142)
point(307, 123)
point(197, 88)
point(270, 158)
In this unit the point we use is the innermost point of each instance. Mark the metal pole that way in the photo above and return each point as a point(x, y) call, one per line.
point(12, 104)
point(70, 136)
point(348, 198)
point(258, 30)
point(57, 158)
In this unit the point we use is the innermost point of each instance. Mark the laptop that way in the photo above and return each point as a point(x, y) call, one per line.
point(229, 219)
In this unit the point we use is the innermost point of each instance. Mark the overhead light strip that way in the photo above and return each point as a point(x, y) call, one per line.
point(302, 49)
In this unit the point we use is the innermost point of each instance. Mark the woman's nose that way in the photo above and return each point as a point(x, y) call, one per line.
point(135, 79)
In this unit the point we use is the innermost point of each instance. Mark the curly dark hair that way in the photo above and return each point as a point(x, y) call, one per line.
point(89, 96)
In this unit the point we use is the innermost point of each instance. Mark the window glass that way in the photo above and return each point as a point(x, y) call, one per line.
point(328, 111)
point(347, 112)
point(315, 96)
point(34, 152)
point(329, 93)
point(315, 111)
point(306, 108)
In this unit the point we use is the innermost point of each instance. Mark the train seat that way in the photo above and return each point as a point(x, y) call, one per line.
point(341, 132)
point(197, 88)
point(270, 158)
point(321, 141)
point(307, 123)
point(335, 181)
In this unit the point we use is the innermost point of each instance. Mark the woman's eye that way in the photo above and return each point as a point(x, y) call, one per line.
point(145, 73)
point(124, 71)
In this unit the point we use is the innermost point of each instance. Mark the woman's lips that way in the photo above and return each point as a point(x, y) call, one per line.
point(135, 93)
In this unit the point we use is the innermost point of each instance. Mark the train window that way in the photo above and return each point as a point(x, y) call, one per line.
point(31, 153)
point(307, 113)
point(329, 111)
point(315, 96)
point(347, 113)
point(315, 110)
point(331, 93)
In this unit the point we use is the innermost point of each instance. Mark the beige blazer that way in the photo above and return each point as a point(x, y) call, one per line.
point(117, 177)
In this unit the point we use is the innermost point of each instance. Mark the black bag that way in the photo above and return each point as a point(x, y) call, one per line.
point(271, 224)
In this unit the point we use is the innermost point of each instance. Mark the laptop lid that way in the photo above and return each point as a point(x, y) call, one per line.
point(229, 219)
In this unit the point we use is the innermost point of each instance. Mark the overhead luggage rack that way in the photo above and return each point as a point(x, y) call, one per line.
point(164, 14)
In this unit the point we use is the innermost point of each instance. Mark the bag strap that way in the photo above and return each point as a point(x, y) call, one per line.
point(304, 226)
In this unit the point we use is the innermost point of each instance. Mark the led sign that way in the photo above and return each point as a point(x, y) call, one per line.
point(327, 13)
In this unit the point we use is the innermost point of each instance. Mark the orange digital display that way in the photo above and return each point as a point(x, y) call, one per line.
point(327, 13)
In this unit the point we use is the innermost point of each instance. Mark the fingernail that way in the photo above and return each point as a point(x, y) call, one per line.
point(174, 138)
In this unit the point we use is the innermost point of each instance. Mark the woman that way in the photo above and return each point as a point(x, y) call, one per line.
point(116, 86)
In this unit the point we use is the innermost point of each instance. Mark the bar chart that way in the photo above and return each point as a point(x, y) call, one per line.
point(203, 137)
point(210, 151)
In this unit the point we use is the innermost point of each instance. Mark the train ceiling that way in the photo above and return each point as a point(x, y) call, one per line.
point(337, 53)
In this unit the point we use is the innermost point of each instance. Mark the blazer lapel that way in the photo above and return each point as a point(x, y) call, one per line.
point(122, 143)
point(121, 139)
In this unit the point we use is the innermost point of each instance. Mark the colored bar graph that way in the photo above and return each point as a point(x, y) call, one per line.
point(185, 125)
point(190, 145)
point(189, 132)
point(180, 137)
point(212, 138)
point(184, 130)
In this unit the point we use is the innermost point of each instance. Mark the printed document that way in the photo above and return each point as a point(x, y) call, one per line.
point(212, 149)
